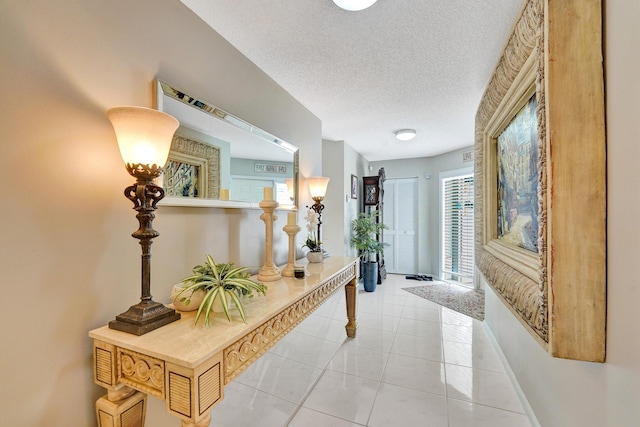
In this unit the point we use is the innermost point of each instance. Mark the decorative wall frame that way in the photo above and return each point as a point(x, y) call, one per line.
point(559, 293)
point(193, 158)
point(354, 186)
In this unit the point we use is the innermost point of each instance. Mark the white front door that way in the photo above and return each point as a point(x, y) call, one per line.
point(400, 216)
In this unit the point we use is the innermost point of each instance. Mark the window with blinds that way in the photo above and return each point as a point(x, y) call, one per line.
point(457, 232)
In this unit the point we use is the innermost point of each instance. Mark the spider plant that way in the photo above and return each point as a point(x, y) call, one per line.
point(223, 282)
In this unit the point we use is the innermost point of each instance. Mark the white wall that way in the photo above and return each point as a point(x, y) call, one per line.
point(354, 164)
point(67, 260)
point(332, 216)
point(428, 198)
point(569, 393)
point(340, 161)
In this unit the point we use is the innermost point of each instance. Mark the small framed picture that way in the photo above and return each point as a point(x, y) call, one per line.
point(354, 187)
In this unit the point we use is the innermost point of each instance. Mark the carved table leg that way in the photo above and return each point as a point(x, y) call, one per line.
point(202, 423)
point(124, 407)
point(351, 291)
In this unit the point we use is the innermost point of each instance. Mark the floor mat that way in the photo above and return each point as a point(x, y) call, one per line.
point(420, 277)
point(463, 300)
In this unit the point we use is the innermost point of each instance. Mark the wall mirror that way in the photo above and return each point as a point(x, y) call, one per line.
point(220, 160)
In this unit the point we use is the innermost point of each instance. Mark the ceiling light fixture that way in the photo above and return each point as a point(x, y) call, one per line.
point(354, 5)
point(405, 134)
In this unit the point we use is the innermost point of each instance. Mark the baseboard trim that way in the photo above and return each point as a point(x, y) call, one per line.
point(523, 399)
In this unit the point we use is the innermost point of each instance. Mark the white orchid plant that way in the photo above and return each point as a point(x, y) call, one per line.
point(312, 242)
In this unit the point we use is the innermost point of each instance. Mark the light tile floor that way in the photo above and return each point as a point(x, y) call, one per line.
point(413, 363)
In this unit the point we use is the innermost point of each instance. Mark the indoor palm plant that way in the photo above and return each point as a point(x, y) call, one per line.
point(219, 282)
point(365, 229)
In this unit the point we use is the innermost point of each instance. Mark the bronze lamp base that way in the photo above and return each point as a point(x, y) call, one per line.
point(144, 317)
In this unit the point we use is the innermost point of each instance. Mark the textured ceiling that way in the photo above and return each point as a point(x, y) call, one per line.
point(420, 64)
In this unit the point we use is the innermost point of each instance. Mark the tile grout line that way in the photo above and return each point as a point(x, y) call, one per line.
point(312, 387)
point(386, 363)
point(397, 330)
point(324, 370)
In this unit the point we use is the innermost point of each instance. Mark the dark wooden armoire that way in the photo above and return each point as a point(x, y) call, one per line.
point(373, 190)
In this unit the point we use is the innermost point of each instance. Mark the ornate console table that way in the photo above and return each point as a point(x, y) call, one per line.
point(188, 365)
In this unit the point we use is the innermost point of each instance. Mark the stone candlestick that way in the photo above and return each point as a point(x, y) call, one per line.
point(269, 272)
point(291, 230)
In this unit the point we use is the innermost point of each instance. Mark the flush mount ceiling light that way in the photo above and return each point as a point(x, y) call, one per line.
point(405, 134)
point(354, 5)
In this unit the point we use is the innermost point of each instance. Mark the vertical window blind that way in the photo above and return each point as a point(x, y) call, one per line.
point(457, 247)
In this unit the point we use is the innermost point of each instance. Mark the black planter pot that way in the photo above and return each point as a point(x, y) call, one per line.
point(370, 275)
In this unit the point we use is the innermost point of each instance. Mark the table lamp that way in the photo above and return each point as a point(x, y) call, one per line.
point(144, 137)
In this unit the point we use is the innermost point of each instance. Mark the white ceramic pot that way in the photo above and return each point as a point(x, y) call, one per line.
point(217, 305)
point(315, 256)
point(195, 299)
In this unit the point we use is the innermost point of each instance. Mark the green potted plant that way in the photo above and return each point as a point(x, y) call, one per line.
point(365, 228)
point(219, 282)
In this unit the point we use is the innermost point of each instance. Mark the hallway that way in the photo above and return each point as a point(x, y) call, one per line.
point(412, 363)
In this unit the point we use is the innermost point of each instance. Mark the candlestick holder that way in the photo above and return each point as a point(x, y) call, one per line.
point(291, 231)
point(269, 272)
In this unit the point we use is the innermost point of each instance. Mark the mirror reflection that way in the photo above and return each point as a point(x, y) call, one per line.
point(218, 159)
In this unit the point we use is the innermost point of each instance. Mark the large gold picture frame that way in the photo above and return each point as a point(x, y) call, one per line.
point(201, 157)
point(559, 293)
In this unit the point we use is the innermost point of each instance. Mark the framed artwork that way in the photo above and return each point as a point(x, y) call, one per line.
point(371, 191)
point(540, 176)
point(517, 179)
point(354, 187)
point(192, 170)
point(185, 176)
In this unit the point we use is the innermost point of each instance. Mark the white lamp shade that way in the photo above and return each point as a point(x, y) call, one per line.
point(144, 135)
point(318, 186)
point(354, 5)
